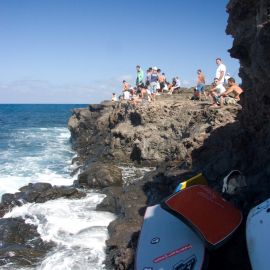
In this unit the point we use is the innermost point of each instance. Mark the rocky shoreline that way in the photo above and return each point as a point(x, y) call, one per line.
point(21, 244)
point(174, 134)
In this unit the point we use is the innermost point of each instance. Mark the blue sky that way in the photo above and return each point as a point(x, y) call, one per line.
point(79, 51)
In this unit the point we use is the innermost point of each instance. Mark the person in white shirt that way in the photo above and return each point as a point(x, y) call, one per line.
point(215, 92)
point(220, 72)
point(114, 97)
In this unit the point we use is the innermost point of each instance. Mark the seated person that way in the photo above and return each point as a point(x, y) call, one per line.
point(195, 95)
point(143, 92)
point(234, 89)
point(215, 92)
point(114, 97)
point(175, 85)
point(136, 100)
point(126, 90)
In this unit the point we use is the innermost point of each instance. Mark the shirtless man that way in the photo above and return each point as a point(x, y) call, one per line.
point(234, 90)
point(161, 80)
point(200, 84)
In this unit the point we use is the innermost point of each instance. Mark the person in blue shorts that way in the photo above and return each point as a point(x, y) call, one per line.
point(200, 84)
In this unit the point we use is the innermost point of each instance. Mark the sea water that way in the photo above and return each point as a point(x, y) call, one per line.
point(35, 147)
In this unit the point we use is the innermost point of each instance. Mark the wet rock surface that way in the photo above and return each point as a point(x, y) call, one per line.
point(38, 193)
point(20, 243)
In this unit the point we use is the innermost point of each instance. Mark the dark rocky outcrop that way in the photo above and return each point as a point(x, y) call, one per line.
point(249, 24)
point(20, 243)
point(99, 175)
point(148, 135)
point(38, 193)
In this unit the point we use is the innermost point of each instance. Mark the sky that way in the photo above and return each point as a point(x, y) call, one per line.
point(79, 51)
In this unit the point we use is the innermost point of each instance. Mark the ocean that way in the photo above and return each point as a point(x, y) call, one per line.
point(35, 147)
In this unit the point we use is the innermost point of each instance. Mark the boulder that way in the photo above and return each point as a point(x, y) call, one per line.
point(99, 175)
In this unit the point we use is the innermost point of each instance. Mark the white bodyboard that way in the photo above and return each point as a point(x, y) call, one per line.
point(167, 243)
point(258, 236)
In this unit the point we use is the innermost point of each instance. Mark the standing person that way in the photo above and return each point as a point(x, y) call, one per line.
point(200, 84)
point(153, 83)
point(234, 90)
point(148, 77)
point(140, 76)
point(221, 71)
point(161, 80)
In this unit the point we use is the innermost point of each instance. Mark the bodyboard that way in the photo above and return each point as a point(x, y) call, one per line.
point(198, 179)
point(167, 243)
point(258, 236)
point(206, 212)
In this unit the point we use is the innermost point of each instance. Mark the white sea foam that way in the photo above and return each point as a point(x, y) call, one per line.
point(78, 230)
point(44, 155)
point(36, 155)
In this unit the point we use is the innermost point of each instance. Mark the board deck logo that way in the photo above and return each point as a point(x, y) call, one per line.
point(155, 240)
point(172, 253)
point(263, 206)
point(187, 264)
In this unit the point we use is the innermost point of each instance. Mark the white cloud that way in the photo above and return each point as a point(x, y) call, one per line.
point(186, 83)
point(43, 91)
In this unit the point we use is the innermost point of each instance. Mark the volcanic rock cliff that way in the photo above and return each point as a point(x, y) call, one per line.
point(249, 24)
point(182, 138)
point(173, 133)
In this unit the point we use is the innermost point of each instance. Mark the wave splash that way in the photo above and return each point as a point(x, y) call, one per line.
point(77, 229)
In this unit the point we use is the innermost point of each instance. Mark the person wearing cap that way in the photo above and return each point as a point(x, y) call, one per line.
point(140, 76)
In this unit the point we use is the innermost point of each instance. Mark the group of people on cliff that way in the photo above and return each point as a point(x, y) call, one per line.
point(224, 89)
point(147, 88)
